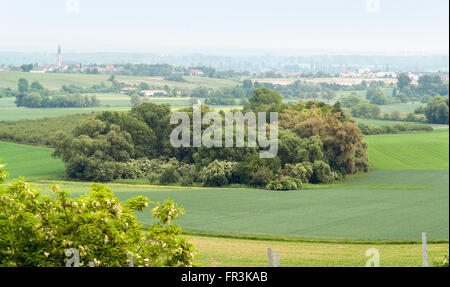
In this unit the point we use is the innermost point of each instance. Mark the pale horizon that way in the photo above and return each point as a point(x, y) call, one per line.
point(302, 28)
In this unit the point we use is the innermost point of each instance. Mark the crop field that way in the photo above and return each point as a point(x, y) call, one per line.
point(409, 151)
point(402, 108)
point(13, 114)
point(409, 181)
point(30, 161)
point(405, 193)
point(226, 252)
point(54, 81)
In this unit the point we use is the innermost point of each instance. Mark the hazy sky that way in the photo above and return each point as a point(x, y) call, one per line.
point(291, 26)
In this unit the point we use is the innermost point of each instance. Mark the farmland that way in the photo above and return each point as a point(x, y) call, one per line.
point(54, 81)
point(409, 151)
point(378, 205)
point(225, 252)
point(404, 194)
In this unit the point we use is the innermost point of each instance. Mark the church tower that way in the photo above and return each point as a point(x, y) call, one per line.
point(59, 57)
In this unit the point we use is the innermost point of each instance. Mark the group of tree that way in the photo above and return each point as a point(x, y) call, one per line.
point(301, 89)
point(221, 96)
point(361, 108)
point(7, 93)
point(313, 134)
point(436, 111)
point(428, 87)
point(36, 96)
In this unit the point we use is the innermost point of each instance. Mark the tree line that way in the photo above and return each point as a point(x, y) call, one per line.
point(36, 96)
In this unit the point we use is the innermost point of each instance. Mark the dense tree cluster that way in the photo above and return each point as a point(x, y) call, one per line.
point(36, 96)
point(126, 145)
point(428, 87)
point(437, 111)
point(221, 96)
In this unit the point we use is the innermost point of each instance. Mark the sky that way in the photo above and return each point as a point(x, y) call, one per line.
point(227, 26)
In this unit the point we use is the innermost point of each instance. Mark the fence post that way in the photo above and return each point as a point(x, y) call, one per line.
point(424, 249)
point(276, 259)
point(269, 254)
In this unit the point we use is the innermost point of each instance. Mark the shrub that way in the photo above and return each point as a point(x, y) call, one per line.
point(188, 174)
point(261, 177)
point(322, 172)
point(302, 171)
point(169, 175)
point(217, 173)
point(138, 168)
point(37, 231)
point(285, 184)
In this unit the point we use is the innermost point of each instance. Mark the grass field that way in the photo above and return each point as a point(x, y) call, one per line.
point(409, 151)
point(54, 81)
point(226, 252)
point(30, 161)
point(402, 108)
point(405, 194)
point(378, 205)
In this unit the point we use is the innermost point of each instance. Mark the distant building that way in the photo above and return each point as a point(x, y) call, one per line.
point(59, 57)
point(346, 74)
point(124, 90)
point(196, 72)
point(151, 93)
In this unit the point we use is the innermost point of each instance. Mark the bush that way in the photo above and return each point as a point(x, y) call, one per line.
point(169, 175)
point(261, 177)
point(137, 168)
point(188, 174)
point(394, 129)
point(37, 231)
point(322, 172)
point(217, 173)
point(302, 171)
point(285, 184)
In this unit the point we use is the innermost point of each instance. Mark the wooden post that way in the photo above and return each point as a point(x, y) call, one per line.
point(424, 249)
point(276, 259)
point(269, 255)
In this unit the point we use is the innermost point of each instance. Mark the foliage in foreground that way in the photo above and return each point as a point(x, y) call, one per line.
point(37, 230)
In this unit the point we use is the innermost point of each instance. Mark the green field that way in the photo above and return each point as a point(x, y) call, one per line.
point(227, 252)
point(410, 151)
point(13, 114)
point(30, 161)
point(54, 81)
point(402, 108)
point(371, 122)
point(410, 180)
point(405, 194)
